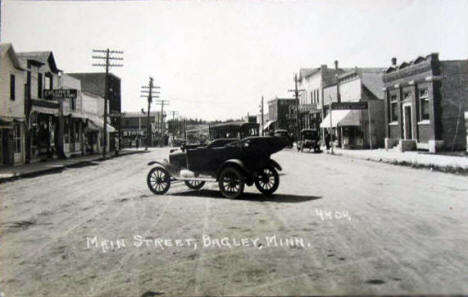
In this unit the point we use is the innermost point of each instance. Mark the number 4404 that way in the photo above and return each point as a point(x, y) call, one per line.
point(332, 215)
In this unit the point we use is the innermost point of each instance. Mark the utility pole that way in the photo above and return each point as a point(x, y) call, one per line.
point(296, 96)
point(147, 92)
point(174, 112)
point(262, 120)
point(162, 103)
point(107, 65)
point(185, 131)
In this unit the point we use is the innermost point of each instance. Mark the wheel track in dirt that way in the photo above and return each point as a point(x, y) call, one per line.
point(72, 223)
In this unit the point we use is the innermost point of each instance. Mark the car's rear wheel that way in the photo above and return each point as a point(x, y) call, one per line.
point(158, 180)
point(231, 183)
point(267, 181)
point(194, 184)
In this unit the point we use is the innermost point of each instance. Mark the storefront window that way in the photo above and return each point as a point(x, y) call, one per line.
point(424, 104)
point(66, 132)
point(17, 138)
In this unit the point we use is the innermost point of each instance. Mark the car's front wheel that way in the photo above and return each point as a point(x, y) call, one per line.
point(158, 180)
point(267, 181)
point(231, 182)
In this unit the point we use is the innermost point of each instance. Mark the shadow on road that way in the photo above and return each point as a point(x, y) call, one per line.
point(279, 198)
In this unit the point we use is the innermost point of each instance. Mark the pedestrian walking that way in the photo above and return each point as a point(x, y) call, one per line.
point(327, 141)
point(116, 146)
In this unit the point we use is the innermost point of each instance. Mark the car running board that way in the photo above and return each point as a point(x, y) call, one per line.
point(204, 179)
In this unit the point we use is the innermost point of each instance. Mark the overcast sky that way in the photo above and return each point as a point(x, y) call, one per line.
point(215, 59)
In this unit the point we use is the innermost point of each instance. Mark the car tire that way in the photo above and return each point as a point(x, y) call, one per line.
point(267, 182)
point(231, 182)
point(158, 180)
point(194, 184)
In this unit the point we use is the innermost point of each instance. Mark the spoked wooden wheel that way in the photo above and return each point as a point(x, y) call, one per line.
point(267, 181)
point(158, 180)
point(194, 184)
point(231, 183)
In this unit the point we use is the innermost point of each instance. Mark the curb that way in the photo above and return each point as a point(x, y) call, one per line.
point(60, 168)
point(431, 167)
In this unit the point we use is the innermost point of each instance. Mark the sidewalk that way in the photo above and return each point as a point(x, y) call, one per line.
point(444, 163)
point(39, 168)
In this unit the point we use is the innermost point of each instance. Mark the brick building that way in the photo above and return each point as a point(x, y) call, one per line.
point(424, 104)
point(279, 111)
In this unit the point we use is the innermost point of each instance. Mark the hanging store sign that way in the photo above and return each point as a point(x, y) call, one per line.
point(349, 105)
point(60, 94)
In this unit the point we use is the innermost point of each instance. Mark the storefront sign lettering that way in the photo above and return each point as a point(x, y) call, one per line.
point(60, 94)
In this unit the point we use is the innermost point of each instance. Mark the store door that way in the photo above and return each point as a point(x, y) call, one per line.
point(407, 122)
point(7, 148)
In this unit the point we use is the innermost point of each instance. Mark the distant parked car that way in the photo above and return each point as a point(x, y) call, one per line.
point(310, 139)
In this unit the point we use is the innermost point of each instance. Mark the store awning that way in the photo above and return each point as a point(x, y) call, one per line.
point(98, 124)
point(46, 110)
point(268, 125)
point(342, 118)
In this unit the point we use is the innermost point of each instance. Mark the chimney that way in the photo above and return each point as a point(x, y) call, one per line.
point(336, 64)
point(394, 61)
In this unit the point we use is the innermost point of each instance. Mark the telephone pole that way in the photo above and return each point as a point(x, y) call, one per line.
point(162, 103)
point(262, 120)
point(296, 96)
point(108, 58)
point(149, 92)
point(174, 112)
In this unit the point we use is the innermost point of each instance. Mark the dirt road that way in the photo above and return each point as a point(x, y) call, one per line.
point(335, 226)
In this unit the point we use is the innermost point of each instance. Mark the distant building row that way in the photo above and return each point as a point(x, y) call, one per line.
point(413, 105)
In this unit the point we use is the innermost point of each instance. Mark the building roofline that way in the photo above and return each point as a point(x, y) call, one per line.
point(91, 73)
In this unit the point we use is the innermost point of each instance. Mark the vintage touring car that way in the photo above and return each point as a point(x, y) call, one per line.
point(230, 162)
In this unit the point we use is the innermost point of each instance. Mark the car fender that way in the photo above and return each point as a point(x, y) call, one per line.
point(162, 163)
point(237, 163)
point(275, 165)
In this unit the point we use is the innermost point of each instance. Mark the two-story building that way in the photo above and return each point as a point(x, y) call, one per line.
point(311, 82)
point(12, 119)
point(74, 119)
point(356, 128)
point(94, 83)
point(41, 114)
point(425, 100)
